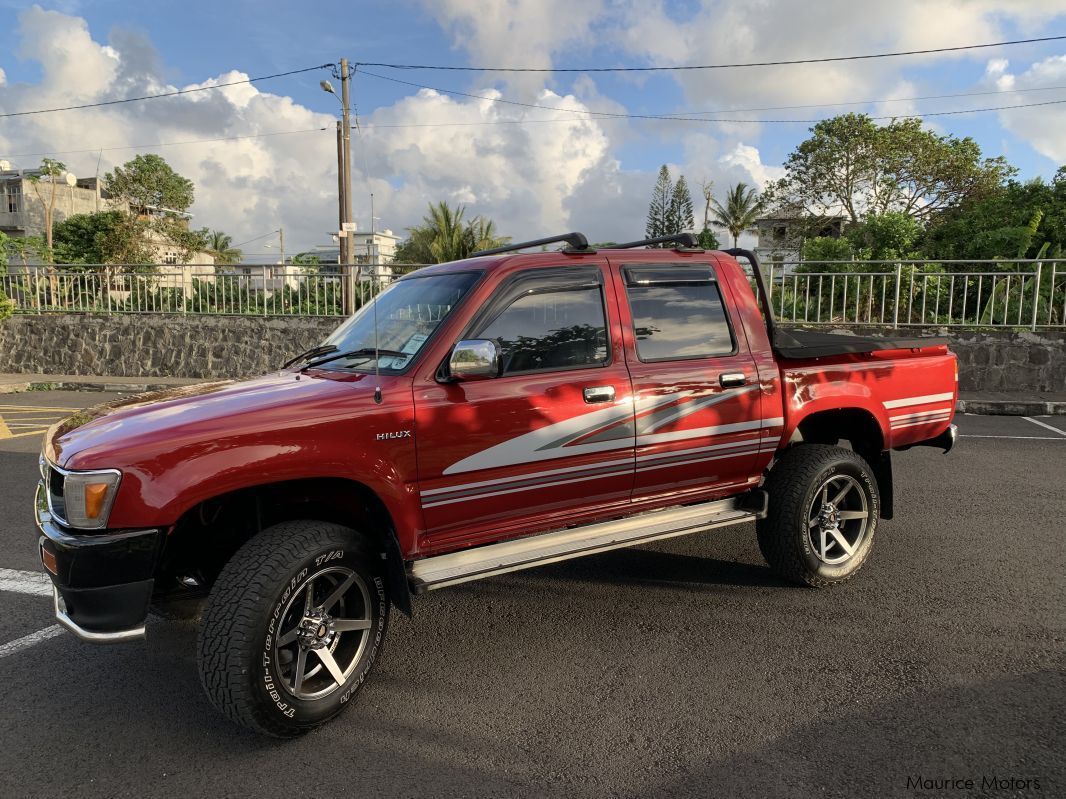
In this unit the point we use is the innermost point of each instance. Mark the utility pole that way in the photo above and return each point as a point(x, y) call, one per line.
point(281, 245)
point(346, 120)
point(346, 254)
point(342, 241)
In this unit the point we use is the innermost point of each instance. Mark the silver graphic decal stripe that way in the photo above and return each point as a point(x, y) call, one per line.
point(908, 401)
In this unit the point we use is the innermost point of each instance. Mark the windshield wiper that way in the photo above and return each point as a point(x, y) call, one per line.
point(366, 352)
point(321, 349)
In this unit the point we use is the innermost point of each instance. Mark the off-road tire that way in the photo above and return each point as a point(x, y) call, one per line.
point(793, 483)
point(236, 646)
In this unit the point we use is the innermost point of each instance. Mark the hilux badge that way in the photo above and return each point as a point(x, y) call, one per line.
point(395, 434)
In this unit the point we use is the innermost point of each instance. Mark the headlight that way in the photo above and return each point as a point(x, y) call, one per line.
point(88, 496)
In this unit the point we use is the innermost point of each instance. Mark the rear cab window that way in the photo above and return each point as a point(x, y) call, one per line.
point(678, 312)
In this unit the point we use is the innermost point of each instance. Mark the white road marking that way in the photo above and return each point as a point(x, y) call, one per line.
point(1045, 425)
point(26, 641)
point(1015, 438)
point(22, 582)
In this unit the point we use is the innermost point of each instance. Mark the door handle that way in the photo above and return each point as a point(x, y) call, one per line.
point(731, 379)
point(599, 394)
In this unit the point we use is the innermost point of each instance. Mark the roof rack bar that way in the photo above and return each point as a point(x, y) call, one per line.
point(683, 239)
point(577, 241)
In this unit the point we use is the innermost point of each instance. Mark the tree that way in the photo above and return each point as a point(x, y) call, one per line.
point(104, 237)
point(220, 246)
point(26, 247)
point(1001, 224)
point(659, 208)
point(679, 218)
point(886, 236)
point(825, 248)
point(443, 236)
point(52, 170)
point(738, 214)
point(6, 308)
point(853, 167)
point(149, 182)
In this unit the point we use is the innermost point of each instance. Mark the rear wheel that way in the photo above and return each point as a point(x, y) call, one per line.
point(823, 513)
point(292, 627)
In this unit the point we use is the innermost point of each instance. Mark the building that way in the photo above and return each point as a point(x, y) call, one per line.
point(22, 215)
point(370, 247)
point(780, 237)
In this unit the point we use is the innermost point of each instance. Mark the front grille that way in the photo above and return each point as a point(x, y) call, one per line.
point(55, 494)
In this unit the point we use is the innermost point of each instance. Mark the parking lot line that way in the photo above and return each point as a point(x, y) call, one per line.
point(1044, 425)
point(1014, 438)
point(24, 582)
point(26, 641)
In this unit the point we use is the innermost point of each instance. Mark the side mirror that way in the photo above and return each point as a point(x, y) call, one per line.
point(473, 358)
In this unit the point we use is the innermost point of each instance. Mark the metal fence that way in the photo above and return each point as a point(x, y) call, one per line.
point(1016, 294)
point(242, 289)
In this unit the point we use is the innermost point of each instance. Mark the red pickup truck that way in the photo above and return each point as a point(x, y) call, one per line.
point(478, 417)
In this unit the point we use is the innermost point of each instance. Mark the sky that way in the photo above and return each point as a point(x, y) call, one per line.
point(269, 159)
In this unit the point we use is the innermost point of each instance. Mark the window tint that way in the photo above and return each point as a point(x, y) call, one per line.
point(551, 329)
point(679, 319)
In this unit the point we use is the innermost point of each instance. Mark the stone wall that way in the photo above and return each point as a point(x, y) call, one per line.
point(136, 345)
point(237, 346)
point(997, 360)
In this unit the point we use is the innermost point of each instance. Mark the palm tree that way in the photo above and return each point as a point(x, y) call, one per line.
point(742, 207)
point(448, 236)
point(443, 236)
point(481, 235)
point(221, 247)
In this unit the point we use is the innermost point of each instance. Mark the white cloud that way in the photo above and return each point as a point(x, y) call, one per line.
point(1042, 126)
point(533, 177)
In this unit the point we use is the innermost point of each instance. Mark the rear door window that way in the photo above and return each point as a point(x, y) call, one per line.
point(678, 313)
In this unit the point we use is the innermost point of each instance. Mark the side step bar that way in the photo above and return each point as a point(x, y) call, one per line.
point(487, 561)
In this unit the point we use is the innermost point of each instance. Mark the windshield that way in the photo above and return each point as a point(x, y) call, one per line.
point(408, 312)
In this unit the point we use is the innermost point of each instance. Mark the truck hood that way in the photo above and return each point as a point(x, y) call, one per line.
point(132, 429)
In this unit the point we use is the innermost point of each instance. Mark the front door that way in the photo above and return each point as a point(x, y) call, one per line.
point(697, 393)
point(550, 437)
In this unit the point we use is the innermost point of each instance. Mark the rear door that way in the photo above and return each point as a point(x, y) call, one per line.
point(696, 390)
point(552, 436)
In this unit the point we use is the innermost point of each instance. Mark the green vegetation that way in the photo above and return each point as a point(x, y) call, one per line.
point(853, 167)
point(670, 210)
point(53, 170)
point(444, 236)
point(6, 306)
point(738, 213)
point(220, 246)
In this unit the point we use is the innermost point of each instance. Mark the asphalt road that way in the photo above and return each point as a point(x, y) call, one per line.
point(681, 669)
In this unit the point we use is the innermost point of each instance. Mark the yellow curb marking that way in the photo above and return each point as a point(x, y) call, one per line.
point(16, 416)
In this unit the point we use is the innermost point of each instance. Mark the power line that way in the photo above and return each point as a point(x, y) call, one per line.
point(620, 117)
point(167, 143)
point(163, 94)
point(683, 115)
point(791, 62)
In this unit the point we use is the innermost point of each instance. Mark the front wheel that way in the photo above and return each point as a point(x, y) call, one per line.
point(292, 627)
point(823, 513)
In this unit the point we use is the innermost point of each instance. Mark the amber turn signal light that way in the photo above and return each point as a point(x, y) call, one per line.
point(49, 561)
point(95, 494)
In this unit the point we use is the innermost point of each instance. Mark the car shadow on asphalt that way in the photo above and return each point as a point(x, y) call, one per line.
point(649, 567)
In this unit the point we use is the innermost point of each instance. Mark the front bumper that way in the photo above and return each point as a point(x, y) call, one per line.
point(102, 584)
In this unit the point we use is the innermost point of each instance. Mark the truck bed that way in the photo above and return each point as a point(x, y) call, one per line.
point(797, 344)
